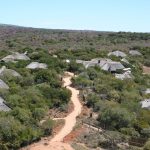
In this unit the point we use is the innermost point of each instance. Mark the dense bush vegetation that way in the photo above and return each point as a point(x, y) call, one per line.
point(18, 38)
point(118, 101)
point(30, 96)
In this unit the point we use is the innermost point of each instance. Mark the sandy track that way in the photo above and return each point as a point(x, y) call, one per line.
point(57, 143)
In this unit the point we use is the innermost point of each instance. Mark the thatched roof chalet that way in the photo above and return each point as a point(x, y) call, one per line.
point(4, 72)
point(134, 53)
point(117, 54)
point(125, 75)
point(37, 65)
point(15, 56)
point(103, 63)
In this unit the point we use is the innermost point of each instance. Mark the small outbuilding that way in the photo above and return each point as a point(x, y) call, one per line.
point(87, 64)
point(37, 65)
point(15, 56)
point(4, 72)
point(117, 54)
point(125, 75)
point(134, 53)
point(125, 60)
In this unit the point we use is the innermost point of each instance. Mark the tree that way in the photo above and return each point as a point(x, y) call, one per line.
point(114, 95)
point(23, 115)
point(81, 82)
point(15, 100)
point(10, 130)
point(92, 99)
point(43, 76)
point(92, 73)
point(3, 146)
point(49, 76)
point(76, 68)
point(64, 95)
point(27, 81)
point(47, 126)
point(147, 145)
point(39, 113)
point(116, 118)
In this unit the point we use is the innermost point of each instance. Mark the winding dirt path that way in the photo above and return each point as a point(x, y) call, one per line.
point(57, 143)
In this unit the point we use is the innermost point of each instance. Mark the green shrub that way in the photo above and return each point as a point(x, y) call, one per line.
point(116, 118)
point(130, 132)
point(47, 126)
point(147, 145)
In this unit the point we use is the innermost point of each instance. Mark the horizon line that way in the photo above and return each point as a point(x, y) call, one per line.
point(69, 29)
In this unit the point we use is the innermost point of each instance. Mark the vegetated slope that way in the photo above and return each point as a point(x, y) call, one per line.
point(16, 37)
point(31, 96)
point(56, 142)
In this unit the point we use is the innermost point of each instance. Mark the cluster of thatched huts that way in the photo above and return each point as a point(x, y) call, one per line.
point(14, 57)
point(113, 66)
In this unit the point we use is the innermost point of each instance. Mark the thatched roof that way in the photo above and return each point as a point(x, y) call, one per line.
point(134, 53)
point(4, 71)
point(117, 54)
point(103, 63)
point(15, 56)
point(36, 65)
point(87, 63)
point(3, 85)
point(112, 66)
point(126, 75)
point(125, 60)
point(3, 106)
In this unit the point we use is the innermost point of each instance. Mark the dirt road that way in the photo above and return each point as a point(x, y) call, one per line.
point(57, 143)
